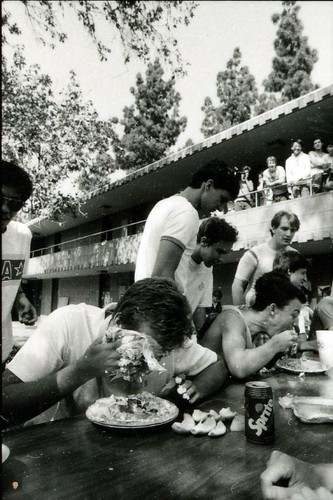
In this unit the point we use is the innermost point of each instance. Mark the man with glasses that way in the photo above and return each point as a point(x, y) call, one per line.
point(16, 238)
point(169, 236)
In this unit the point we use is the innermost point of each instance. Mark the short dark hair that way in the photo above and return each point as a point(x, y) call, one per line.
point(160, 303)
point(217, 294)
point(216, 229)
point(275, 288)
point(14, 176)
point(222, 175)
point(290, 261)
point(293, 219)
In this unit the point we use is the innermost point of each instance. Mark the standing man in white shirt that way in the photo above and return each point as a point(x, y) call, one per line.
point(16, 238)
point(169, 236)
point(298, 170)
point(259, 259)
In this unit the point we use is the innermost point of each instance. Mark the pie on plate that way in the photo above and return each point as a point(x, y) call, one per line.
point(134, 411)
point(300, 365)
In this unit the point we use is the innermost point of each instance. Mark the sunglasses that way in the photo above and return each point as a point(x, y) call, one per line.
point(14, 204)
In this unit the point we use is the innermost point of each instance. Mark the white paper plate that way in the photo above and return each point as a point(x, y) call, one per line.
point(5, 452)
point(96, 415)
point(299, 365)
point(313, 410)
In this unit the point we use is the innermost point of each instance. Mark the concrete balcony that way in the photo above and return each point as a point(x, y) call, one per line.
point(119, 255)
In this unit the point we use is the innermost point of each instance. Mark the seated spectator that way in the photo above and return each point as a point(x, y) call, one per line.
point(276, 309)
point(215, 239)
point(322, 317)
point(65, 361)
point(274, 177)
point(259, 259)
point(320, 163)
point(244, 200)
point(298, 170)
point(328, 173)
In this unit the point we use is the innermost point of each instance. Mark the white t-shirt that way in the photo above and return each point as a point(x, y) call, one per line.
point(199, 285)
point(279, 175)
point(253, 264)
point(63, 338)
point(174, 219)
point(15, 255)
point(298, 167)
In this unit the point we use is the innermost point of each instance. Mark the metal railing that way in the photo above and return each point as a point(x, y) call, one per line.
point(99, 237)
point(261, 196)
point(257, 197)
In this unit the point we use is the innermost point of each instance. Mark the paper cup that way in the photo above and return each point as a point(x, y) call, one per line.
point(325, 347)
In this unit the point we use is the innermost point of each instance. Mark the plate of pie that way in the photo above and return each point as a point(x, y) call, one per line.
point(300, 365)
point(137, 411)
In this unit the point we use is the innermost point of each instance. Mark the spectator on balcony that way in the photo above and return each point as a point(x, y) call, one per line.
point(214, 240)
point(170, 232)
point(328, 174)
point(259, 259)
point(66, 364)
point(274, 178)
point(16, 238)
point(244, 199)
point(320, 164)
point(298, 170)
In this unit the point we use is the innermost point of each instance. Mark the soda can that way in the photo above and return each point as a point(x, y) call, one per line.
point(259, 413)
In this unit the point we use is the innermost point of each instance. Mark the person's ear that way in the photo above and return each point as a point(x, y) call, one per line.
point(209, 184)
point(204, 241)
point(272, 310)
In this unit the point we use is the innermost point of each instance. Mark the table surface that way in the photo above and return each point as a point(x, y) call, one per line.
point(75, 459)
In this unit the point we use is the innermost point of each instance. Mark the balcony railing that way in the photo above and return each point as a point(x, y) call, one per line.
point(100, 237)
point(103, 250)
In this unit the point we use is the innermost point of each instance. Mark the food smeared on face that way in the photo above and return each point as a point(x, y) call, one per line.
point(137, 352)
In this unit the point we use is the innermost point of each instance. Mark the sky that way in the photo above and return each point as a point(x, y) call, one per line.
point(206, 45)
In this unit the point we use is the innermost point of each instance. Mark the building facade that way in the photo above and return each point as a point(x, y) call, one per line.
point(91, 258)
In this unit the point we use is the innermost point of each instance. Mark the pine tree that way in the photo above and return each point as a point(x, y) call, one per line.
point(152, 124)
point(294, 60)
point(237, 93)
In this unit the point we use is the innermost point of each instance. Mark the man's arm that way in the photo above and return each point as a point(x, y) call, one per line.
point(242, 361)
point(22, 401)
point(209, 380)
point(168, 258)
point(199, 317)
point(238, 288)
point(245, 270)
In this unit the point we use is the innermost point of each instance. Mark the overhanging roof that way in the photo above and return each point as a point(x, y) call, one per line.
point(248, 143)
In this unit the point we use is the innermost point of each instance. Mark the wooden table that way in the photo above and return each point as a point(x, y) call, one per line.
point(74, 459)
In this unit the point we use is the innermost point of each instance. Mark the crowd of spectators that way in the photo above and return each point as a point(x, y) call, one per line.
point(302, 175)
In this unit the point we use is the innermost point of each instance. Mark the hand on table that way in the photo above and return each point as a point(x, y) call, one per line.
point(184, 387)
point(303, 482)
point(26, 312)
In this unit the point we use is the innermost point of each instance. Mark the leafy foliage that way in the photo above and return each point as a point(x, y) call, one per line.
point(237, 93)
point(294, 60)
point(52, 139)
point(136, 23)
point(152, 124)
